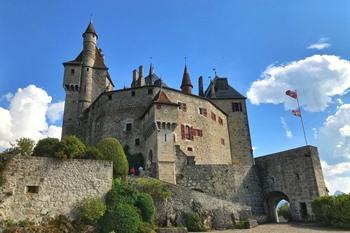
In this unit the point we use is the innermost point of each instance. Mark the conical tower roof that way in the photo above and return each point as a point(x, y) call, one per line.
point(186, 80)
point(90, 29)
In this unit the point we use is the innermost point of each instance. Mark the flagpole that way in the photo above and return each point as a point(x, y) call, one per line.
point(301, 119)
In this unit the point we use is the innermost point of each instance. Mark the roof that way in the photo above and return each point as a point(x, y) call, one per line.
point(90, 29)
point(220, 89)
point(162, 98)
point(186, 80)
point(152, 78)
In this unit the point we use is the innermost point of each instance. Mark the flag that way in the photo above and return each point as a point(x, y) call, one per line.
point(292, 94)
point(296, 112)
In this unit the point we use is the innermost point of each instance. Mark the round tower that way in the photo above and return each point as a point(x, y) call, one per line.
point(186, 85)
point(88, 61)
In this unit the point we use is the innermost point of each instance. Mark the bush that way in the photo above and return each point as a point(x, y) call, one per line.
point(121, 192)
point(23, 146)
point(121, 218)
point(112, 150)
point(242, 224)
point(332, 210)
point(47, 147)
point(92, 210)
point(92, 153)
point(193, 222)
point(153, 187)
point(73, 147)
point(145, 227)
point(145, 204)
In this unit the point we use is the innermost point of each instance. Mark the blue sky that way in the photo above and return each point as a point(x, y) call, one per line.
point(241, 39)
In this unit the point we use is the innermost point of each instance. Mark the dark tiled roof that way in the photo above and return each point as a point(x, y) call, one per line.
point(90, 29)
point(186, 80)
point(99, 60)
point(222, 90)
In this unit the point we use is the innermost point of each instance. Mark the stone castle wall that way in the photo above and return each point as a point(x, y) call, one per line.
point(38, 187)
point(294, 175)
point(237, 184)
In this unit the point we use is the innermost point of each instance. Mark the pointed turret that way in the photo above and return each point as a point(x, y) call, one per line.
point(186, 85)
point(90, 29)
point(151, 74)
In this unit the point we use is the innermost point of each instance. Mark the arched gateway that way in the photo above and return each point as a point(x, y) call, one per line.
point(272, 199)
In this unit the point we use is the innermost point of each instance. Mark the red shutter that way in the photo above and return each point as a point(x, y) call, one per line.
point(194, 132)
point(191, 133)
point(183, 136)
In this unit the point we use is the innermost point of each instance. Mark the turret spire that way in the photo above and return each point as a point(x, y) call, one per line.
point(90, 29)
point(186, 85)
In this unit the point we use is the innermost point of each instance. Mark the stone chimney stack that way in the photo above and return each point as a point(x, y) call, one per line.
point(200, 86)
point(141, 71)
point(134, 77)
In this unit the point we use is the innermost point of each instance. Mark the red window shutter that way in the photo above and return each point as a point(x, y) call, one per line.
point(183, 136)
point(191, 133)
point(194, 132)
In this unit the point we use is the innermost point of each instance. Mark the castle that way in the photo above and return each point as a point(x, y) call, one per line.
point(201, 142)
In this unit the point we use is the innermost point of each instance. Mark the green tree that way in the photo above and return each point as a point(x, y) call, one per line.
point(72, 147)
point(92, 210)
point(145, 204)
point(120, 218)
point(92, 153)
point(112, 150)
point(23, 146)
point(284, 211)
point(47, 147)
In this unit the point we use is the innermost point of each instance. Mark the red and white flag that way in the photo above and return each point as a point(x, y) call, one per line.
point(292, 94)
point(296, 112)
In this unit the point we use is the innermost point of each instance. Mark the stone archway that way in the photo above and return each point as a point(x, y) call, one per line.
point(272, 199)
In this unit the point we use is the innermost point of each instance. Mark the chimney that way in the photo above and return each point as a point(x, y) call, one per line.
point(140, 71)
point(200, 86)
point(134, 78)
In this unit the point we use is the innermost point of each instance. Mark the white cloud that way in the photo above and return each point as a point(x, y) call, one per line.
point(288, 132)
point(55, 111)
point(333, 137)
point(26, 116)
point(337, 177)
point(320, 44)
point(317, 79)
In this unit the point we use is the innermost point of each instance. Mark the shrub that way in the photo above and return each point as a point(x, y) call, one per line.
point(145, 227)
point(111, 149)
point(92, 153)
point(23, 146)
point(193, 222)
point(92, 210)
point(73, 147)
point(121, 192)
point(47, 147)
point(242, 224)
point(333, 210)
point(154, 187)
point(121, 218)
point(144, 203)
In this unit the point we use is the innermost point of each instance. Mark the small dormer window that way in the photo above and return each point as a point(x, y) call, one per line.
point(72, 71)
point(237, 107)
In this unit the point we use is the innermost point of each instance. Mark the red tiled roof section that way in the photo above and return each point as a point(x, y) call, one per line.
point(162, 98)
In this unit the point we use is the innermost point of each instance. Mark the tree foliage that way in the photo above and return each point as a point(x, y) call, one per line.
point(284, 211)
point(23, 146)
point(333, 210)
point(72, 147)
point(156, 188)
point(92, 210)
point(47, 147)
point(112, 150)
point(145, 204)
point(193, 222)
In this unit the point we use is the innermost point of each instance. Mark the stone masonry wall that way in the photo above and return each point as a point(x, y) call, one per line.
point(237, 184)
point(295, 175)
point(60, 186)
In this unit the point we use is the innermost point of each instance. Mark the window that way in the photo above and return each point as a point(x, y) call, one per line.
point(189, 148)
point(303, 210)
point(237, 107)
point(164, 137)
point(109, 97)
point(213, 116)
point(150, 91)
point(222, 141)
point(128, 127)
point(221, 122)
point(72, 71)
point(32, 189)
point(137, 142)
point(199, 132)
point(182, 106)
point(133, 93)
point(188, 132)
point(203, 111)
